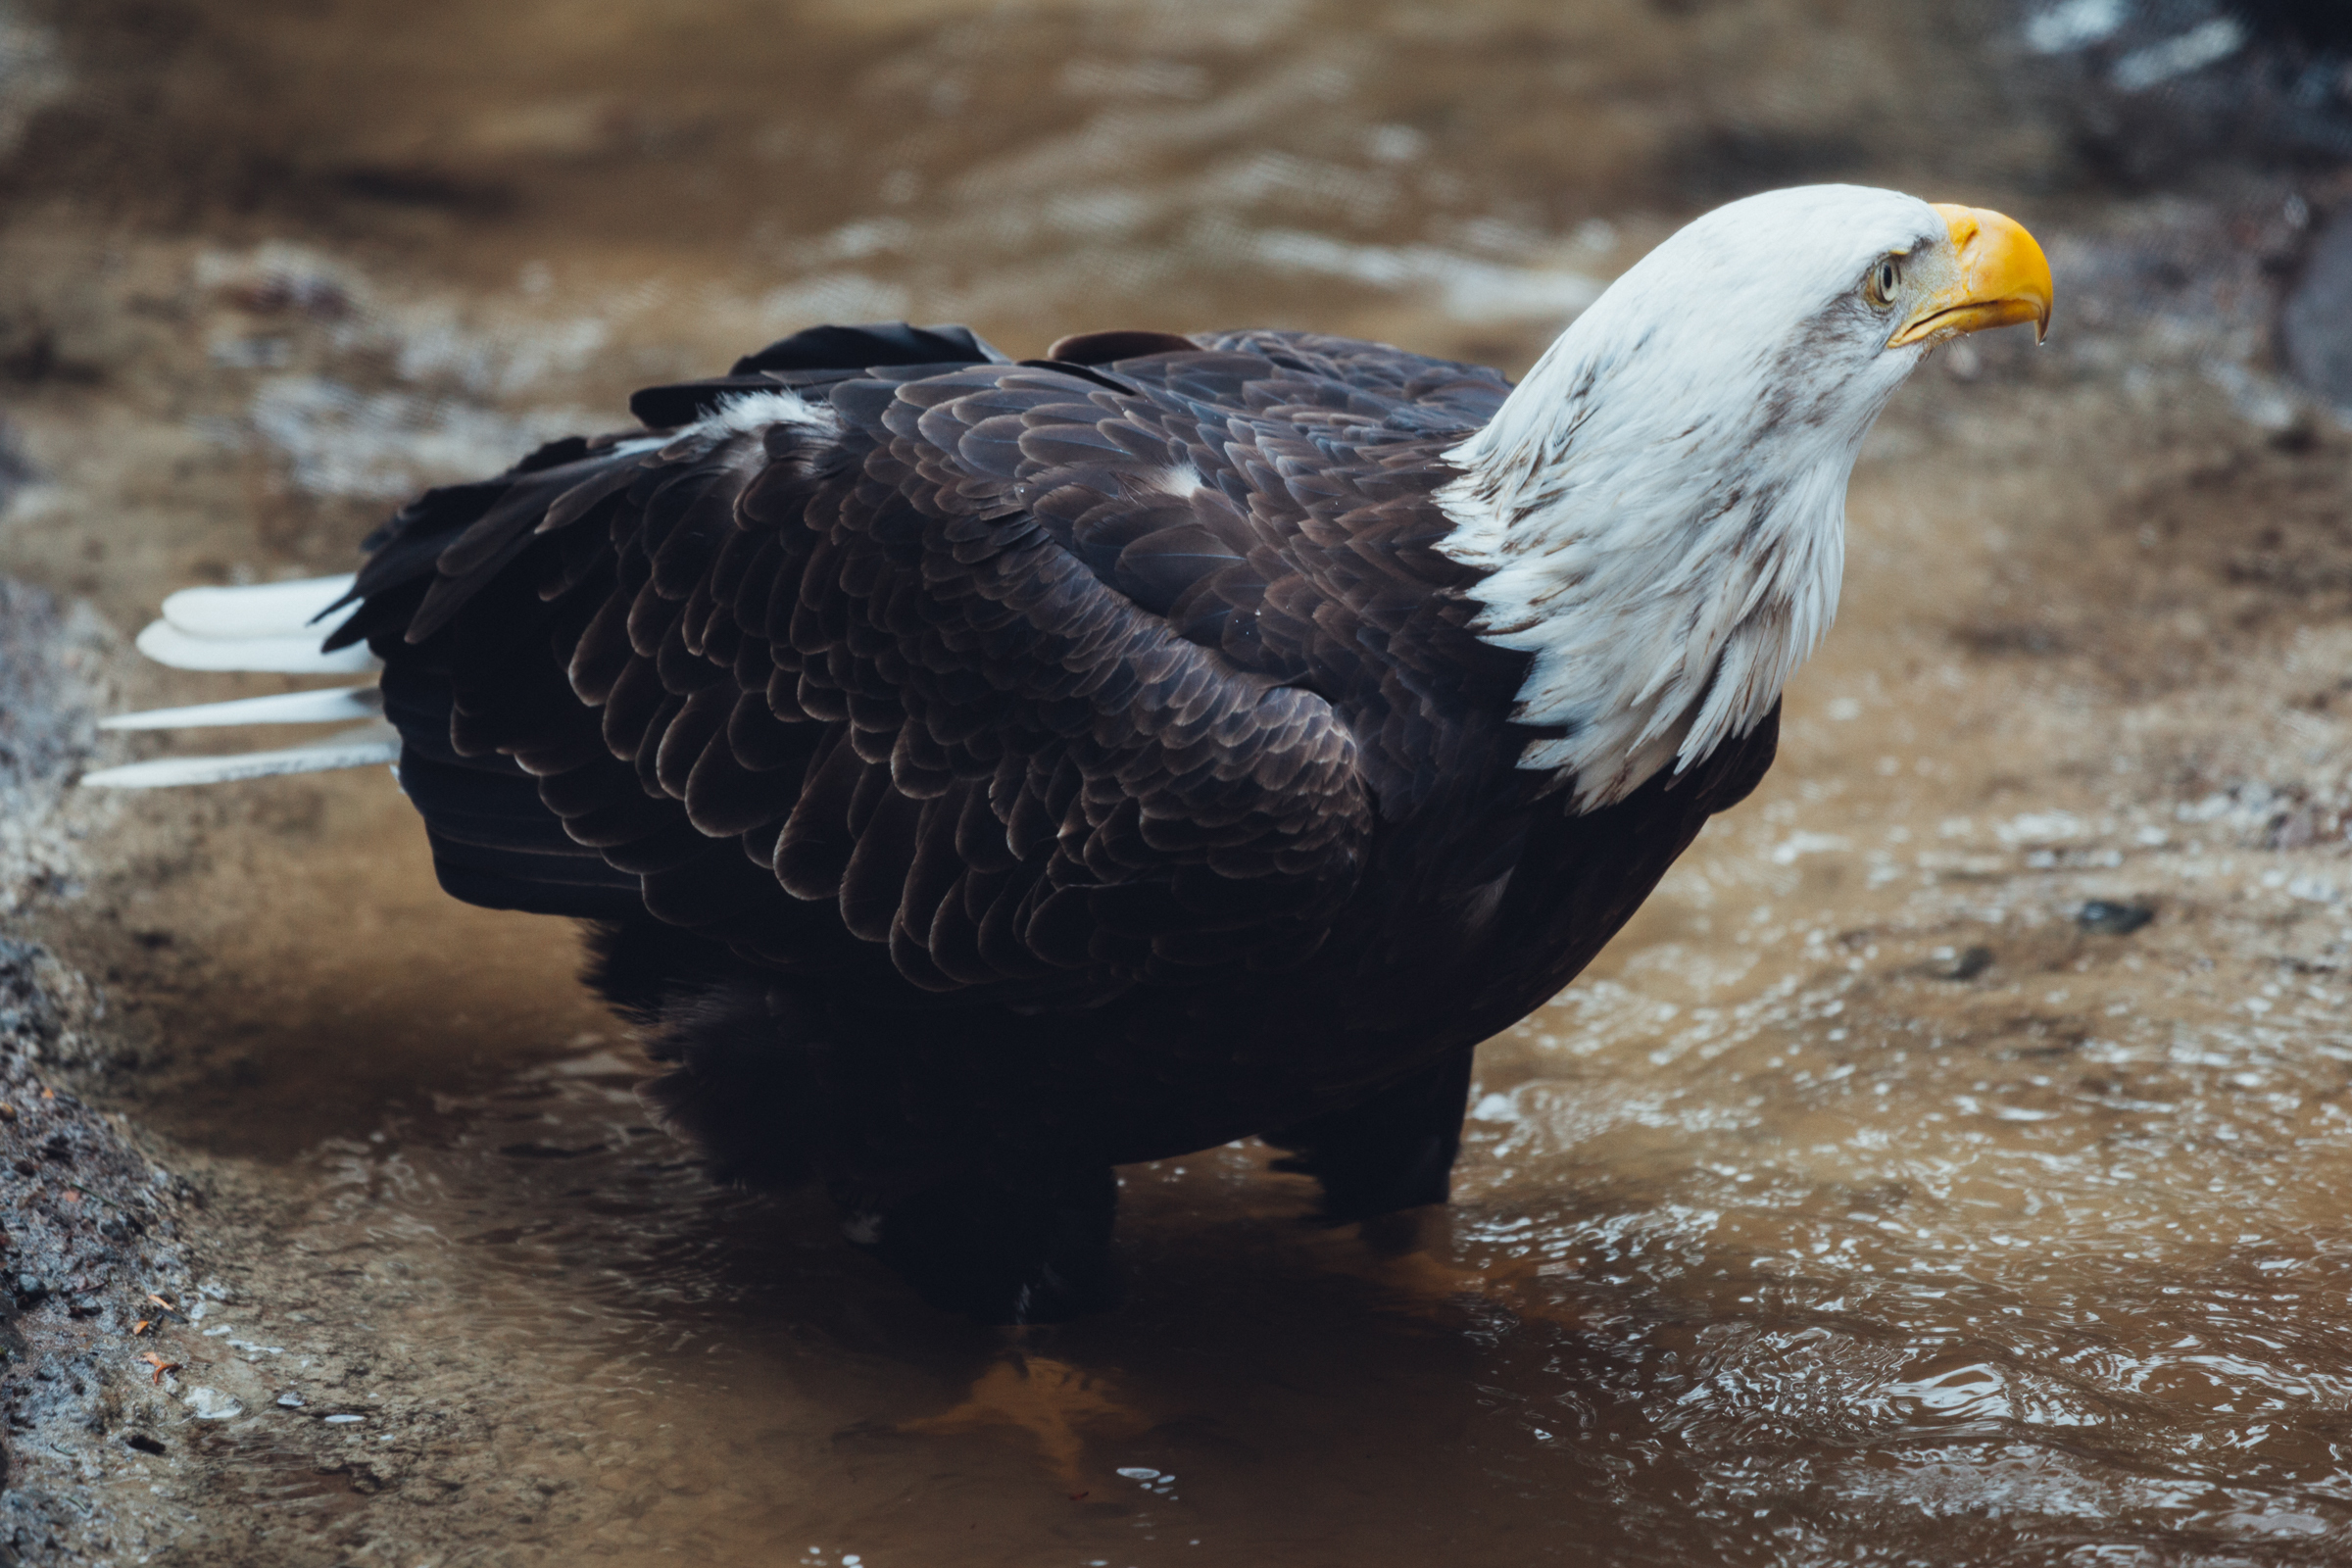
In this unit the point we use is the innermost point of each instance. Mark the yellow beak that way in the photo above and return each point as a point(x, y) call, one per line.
point(2003, 279)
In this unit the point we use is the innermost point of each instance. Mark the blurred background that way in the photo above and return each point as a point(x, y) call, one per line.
point(1950, 1165)
point(401, 233)
point(406, 238)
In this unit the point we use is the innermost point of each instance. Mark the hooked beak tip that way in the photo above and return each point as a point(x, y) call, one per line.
point(2004, 280)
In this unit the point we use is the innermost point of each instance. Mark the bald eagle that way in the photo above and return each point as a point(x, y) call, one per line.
point(982, 773)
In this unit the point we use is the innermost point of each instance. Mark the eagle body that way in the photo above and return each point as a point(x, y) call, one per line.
point(979, 773)
point(1010, 769)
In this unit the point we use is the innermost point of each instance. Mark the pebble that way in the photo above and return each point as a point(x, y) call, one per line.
point(1968, 965)
point(210, 1404)
point(2112, 919)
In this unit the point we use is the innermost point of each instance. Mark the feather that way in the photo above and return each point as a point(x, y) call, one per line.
point(263, 609)
point(363, 747)
point(294, 654)
point(337, 705)
point(1663, 499)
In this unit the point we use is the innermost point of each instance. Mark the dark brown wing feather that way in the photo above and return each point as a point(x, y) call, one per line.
point(989, 680)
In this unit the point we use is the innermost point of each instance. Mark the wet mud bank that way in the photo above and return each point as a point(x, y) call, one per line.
point(91, 1230)
point(100, 1245)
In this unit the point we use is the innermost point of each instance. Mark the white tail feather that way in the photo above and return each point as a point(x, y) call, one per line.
point(292, 654)
point(335, 706)
point(263, 609)
point(363, 747)
point(269, 627)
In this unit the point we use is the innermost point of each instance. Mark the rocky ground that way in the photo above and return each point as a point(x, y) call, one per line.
point(95, 1262)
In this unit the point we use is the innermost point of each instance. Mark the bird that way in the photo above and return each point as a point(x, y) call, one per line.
point(976, 774)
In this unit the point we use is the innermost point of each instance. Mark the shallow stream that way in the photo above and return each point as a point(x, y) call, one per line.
point(1888, 1194)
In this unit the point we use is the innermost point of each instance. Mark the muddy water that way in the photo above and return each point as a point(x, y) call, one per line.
point(1864, 1205)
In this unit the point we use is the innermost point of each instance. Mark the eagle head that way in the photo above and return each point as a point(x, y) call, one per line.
point(1660, 508)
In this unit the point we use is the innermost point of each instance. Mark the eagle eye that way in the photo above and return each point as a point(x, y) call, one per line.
point(1879, 286)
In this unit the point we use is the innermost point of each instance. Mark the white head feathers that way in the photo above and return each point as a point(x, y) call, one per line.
point(1661, 503)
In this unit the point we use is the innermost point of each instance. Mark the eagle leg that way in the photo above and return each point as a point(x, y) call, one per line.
point(1391, 1152)
point(1027, 1246)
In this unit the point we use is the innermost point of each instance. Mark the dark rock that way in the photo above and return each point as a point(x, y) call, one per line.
point(16, 468)
point(2315, 326)
point(44, 718)
point(1972, 962)
point(2109, 919)
point(2154, 91)
point(2322, 26)
point(26, 1013)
